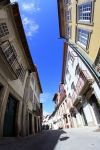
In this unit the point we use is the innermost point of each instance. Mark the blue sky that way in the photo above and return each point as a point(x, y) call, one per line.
point(40, 19)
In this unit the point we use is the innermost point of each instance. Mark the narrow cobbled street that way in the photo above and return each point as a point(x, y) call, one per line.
point(49, 75)
point(70, 139)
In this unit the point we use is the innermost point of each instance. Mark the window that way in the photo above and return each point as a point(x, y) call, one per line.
point(68, 31)
point(31, 94)
point(1, 91)
point(85, 12)
point(34, 102)
point(3, 30)
point(67, 71)
point(69, 95)
point(83, 37)
point(32, 79)
point(21, 72)
point(77, 71)
point(67, 2)
point(71, 58)
point(65, 82)
point(11, 57)
point(35, 88)
point(73, 86)
point(69, 76)
point(96, 65)
point(9, 52)
point(68, 15)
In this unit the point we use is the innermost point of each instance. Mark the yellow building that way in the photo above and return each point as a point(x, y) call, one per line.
point(79, 25)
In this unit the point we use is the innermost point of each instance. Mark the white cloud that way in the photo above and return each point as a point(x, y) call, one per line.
point(45, 97)
point(14, 0)
point(27, 7)
point(30, 7)
point(31, 27)
point(45, 113)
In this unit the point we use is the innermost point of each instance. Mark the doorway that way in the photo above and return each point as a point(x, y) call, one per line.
point(96, 107)
point(35, 124)
point(9, 128)
point(38, 125)
point(83, 116)
point(1, 89)
point(30, 123)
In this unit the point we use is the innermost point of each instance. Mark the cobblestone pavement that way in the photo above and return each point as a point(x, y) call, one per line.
point(69, 139)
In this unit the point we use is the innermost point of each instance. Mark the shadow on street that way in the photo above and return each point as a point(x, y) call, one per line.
point(64, 138)
point(46, 140)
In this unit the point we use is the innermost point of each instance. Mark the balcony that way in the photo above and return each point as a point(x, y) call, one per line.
point(63, 93)
point(83, 83)
point(8, 61)
point(37, 111)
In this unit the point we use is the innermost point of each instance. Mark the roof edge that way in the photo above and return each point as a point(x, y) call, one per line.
point(64, 61)
point(61, 18)
point(21, 32)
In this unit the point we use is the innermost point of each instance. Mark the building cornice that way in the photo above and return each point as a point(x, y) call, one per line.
point(61, 17)
point(64, 61)
point(21, 32)
point(38, 79)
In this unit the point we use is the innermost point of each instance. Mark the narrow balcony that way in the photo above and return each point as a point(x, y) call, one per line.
point(63, 92)
point(8, 61)
point(37, 110)
point(83, 83)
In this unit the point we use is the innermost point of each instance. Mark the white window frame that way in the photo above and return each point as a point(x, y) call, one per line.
point(3, 29)
point(68, 15)
point(66, 2)
point(85, 13)
point(73, 86)
point(77, 70)
point(68, 31)
point(9, 52)
point(82, 39)
point(96, 64)
point(71, 58)
point(11, 57)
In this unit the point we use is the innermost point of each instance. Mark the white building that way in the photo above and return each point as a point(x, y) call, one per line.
point(83, 93)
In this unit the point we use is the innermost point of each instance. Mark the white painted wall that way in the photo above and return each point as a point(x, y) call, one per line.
point(88, 114)
point(74, 78)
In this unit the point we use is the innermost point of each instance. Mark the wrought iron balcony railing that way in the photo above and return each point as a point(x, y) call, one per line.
point(83, 83)
point(10, 56)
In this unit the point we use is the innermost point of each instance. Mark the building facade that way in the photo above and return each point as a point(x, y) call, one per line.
point(79, 27)
point(16, 72)
point(32, 110)
point(83, 92)
point(60, 116)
